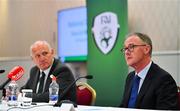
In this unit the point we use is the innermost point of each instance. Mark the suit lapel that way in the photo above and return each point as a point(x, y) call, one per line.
point(53, 68)
point(36, 79)
point(145, 85)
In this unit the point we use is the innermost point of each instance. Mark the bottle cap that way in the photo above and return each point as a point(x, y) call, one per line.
point(53, 77)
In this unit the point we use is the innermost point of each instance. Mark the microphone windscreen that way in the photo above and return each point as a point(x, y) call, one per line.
point(89, 77)
point(17, 72)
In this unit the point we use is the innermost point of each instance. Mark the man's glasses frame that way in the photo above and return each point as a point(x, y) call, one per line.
point(131, 47)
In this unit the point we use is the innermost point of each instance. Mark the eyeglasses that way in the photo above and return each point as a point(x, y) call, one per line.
point(130, 47)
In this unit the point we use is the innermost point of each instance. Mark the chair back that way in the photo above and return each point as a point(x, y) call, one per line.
point(86, 95)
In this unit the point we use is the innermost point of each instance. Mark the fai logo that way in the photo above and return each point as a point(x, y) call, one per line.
point(105, 30)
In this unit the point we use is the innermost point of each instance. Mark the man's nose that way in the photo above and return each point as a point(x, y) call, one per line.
point(127, 52)
point(41, 57)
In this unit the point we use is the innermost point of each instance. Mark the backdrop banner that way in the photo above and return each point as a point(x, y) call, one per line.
point(107, 27)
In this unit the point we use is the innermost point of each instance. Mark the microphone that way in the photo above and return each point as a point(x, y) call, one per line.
point(67, 89)
point(17, 72)
point(2, 71)
point(87, 77)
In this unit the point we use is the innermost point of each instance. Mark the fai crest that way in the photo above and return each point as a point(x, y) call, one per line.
point(105, 30)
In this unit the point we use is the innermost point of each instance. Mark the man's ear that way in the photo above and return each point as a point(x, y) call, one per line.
point(52, 52)
point(147, 49)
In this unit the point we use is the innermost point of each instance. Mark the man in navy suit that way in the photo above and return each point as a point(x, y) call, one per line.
point(43, 56)
point(156, 87)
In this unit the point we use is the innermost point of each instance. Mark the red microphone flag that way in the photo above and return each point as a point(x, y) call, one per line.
point(17, 72)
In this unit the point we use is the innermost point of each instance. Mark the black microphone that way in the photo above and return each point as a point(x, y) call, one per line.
point(67, 89)
point(88, 77)
point(2, 71)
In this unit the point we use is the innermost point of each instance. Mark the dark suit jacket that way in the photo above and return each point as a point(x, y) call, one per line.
point(158, 91)
point(64, 79)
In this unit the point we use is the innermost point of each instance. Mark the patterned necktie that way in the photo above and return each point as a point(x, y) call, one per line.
point(134, 91)
point(41, 83)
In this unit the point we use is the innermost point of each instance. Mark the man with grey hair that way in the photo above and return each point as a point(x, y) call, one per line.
point(46, 64)
point(149, 86)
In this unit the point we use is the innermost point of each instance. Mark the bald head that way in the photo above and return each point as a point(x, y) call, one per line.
point(39, 43)
point(42, 54)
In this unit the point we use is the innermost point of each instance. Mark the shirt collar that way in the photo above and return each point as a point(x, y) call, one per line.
point(142, 74)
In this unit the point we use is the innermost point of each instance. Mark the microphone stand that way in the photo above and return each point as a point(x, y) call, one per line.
point(4, 93)
point(4, 84)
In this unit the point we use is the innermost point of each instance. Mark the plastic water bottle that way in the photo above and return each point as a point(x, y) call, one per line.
point(53, 91)
point(12, 93)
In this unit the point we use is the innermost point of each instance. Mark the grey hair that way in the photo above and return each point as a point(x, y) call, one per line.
point(39, 42)
point(145, 38)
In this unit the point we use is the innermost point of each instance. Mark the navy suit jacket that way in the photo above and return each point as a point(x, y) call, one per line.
point(158, 91)
point(64, 79)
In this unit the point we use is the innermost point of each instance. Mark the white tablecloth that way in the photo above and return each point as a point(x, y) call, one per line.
point(48, 107)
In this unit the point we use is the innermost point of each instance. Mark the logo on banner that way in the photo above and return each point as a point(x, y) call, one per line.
point(105, 31)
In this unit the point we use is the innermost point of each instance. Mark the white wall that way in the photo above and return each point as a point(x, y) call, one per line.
point(23, 22)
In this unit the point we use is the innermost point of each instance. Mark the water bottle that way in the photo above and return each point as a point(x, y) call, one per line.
point(12, 93)
point(53, 91)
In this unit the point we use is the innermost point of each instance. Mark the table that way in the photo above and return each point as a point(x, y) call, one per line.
point(48, 107)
